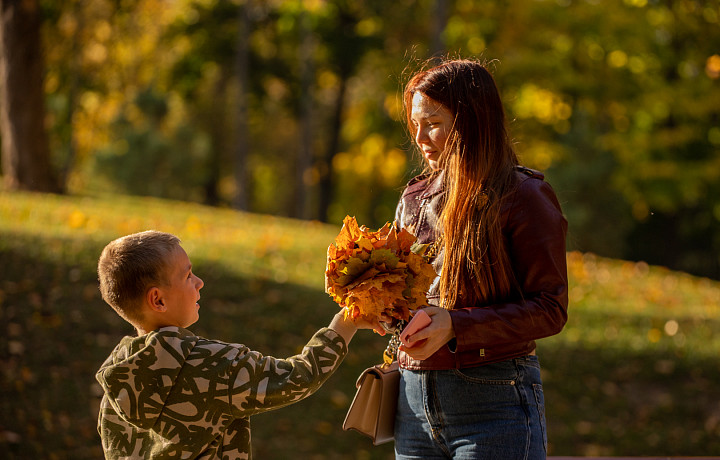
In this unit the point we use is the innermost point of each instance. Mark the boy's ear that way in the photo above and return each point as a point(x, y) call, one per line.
point(155, 300)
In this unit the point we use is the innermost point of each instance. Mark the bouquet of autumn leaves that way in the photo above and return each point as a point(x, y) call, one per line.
point(376, 272)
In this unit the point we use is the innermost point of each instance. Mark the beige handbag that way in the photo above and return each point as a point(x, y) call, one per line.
point(372, 411)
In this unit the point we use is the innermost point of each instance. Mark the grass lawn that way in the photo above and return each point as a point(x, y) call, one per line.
point(635, 372)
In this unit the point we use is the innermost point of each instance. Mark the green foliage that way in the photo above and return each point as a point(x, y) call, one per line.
point(144, 160)
point(633, 373)
point(616, 100)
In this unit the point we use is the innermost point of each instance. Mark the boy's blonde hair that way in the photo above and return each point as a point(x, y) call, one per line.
point(130, 265)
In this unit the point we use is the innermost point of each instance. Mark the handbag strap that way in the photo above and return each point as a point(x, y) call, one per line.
point(391, 350)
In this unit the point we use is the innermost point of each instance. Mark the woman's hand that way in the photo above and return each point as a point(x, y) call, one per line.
point(428, 340)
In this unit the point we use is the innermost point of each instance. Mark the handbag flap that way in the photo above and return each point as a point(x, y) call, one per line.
point(380, 371)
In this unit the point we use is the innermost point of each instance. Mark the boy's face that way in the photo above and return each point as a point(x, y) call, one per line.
point(183, 292)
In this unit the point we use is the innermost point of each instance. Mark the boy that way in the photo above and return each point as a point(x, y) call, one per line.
point(171, 394)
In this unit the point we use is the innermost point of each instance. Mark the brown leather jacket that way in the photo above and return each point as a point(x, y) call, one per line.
point(534, 230)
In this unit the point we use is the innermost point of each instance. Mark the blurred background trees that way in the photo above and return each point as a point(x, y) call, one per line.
point(292, 107)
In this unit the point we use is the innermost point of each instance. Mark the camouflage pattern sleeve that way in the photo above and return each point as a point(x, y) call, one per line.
point(263, 383)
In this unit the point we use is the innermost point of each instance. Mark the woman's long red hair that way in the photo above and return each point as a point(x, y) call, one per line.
point(479, 164)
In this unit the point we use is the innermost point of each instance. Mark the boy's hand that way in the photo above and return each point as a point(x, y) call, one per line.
point(374, 325)
point(346, 327)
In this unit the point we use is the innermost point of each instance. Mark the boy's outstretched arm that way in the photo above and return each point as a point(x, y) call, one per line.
point(260, 383)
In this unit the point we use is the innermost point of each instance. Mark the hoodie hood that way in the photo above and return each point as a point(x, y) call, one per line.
point(141, 372)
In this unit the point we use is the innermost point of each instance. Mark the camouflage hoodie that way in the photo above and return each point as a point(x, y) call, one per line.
point(171, 394)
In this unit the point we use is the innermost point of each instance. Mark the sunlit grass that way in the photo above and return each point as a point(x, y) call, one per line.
point(630, 305)
point(633, 373)
point(251, 244)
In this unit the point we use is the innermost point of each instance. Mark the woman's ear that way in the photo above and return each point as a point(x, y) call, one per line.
point(155, 300)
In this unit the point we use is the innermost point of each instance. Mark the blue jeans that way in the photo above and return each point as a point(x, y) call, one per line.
point(495, 411)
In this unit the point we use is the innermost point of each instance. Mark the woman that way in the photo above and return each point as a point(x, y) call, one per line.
point(470, 384)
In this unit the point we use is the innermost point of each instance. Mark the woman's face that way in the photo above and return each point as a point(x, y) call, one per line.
point(432, 122)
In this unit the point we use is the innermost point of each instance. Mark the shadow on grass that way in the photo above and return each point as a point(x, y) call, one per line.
point(611, 402)
point(57, 332)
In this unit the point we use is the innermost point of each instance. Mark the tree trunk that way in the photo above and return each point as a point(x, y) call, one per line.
point(25, 147)
point(440, 18)
point(242, 139)
point(215, 117)
point(73, 84)
point(305, 154)
point(326, 173)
